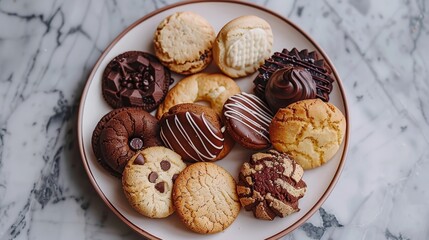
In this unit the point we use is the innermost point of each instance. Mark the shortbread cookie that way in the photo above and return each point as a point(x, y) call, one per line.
point(270, 185)
point(311, 131)
point(135, 79)
point(195, 132)
point(205, 198)
point(148, 179)
point(242, 46)
point(247, 119)
point(120, 134)
point(183, 42)
point(212, 88)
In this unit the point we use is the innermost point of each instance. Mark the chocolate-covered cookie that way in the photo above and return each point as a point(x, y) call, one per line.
point(289, 85)
point(120, 134)
point(135, 79)
point(247, 119)
point(270, 185)
point(311, 61)
point(193, 131)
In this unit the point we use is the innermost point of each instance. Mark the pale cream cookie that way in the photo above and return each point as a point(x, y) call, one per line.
point(242, 46)
point(148, 179)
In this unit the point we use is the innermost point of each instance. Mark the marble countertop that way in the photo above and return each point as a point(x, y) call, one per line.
point(380, 49)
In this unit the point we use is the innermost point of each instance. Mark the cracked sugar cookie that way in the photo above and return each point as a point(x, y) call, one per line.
point(270, 185)
point(205, 198)
point(148, 179)
point(242, 46)
point(311, 131)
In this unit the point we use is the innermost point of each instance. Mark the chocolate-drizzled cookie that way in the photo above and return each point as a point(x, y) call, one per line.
point(247, 119)
point(193, 131)
point(135, 79)
point(270, 185)
point(310, 61)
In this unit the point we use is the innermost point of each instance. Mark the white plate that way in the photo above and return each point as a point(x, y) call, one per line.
point(139, 36)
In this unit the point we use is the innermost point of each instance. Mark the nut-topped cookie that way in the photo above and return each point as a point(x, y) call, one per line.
point(148, 179)
point(270, 185)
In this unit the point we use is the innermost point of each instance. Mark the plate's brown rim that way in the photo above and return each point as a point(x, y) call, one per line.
point(113, 43)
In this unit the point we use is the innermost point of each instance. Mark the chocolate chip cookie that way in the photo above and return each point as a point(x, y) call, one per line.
point(120, 134)
point(148, 179)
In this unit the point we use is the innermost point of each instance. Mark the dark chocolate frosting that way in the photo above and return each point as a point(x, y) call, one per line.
point(192, 136)
point(289, 85)
point(319, 70)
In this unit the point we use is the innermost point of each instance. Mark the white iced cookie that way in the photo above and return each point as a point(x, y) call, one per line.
point(242, 46)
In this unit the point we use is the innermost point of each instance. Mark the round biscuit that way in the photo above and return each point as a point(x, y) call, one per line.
point(311, 131)
point(205, 198)
point(148, 179)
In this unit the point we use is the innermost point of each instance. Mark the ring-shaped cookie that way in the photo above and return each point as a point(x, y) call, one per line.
point(120, 134)
point(213, 88)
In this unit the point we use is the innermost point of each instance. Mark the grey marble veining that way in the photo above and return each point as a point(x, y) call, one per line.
point(380, 49)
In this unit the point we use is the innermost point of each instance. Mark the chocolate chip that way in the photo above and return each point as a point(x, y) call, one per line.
point(175, 177)
point(165, 165)
point(136, 144)
point(160, 187)
point(152, 177)
point(139, 160)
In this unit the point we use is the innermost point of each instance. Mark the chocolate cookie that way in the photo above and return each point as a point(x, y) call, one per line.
point(120, 134)
point(270, 185)
point(311, 61)
point(135, 79)
point(205, 198)
point(289, 85)
point(193, 131)
point(148, 180)
point(247, 119)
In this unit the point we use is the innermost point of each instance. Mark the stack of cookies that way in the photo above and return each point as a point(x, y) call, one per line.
point(166, 160)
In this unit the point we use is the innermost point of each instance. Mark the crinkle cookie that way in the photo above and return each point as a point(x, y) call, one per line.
point(270, 185)
point(148, 179)
point(205, 198)
point(311, 131)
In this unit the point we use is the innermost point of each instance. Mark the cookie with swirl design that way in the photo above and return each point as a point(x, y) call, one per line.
point(195, 132)
point(270, 185)
point(289, 85)
point(247, 119)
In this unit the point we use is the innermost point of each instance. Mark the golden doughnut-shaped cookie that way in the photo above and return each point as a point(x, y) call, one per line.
point(214, 88)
